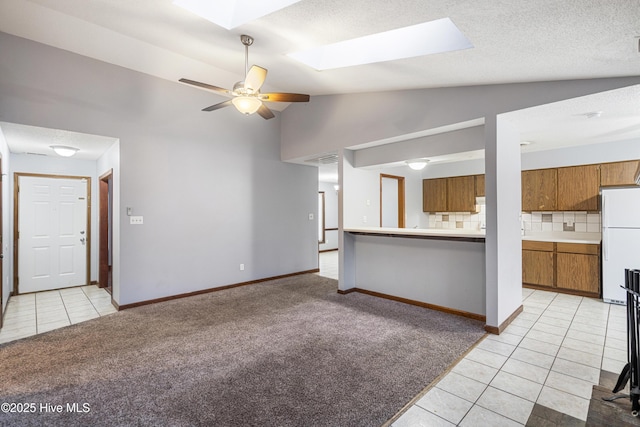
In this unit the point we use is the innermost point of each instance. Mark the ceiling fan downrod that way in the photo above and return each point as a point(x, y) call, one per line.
point(246, 41)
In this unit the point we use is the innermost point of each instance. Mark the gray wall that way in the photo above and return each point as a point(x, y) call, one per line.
point(341, 121)
point(211, 186)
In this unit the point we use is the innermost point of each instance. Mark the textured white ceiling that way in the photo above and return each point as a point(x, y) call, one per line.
point(24, 139)
point(514, 41)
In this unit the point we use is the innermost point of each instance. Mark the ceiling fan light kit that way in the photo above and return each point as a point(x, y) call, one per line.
point(246, 96)
point(246, 104)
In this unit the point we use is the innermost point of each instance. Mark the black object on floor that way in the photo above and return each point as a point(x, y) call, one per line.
point(631, 371)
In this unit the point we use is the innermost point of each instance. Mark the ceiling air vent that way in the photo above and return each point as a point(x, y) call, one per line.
point(327, 159)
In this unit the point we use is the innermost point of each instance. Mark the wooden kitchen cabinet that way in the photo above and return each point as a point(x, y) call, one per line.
point(454, 194)
point(480, 186)
point(578, 267)
point(461, 194)
point(578, 188)
point(562, 267)
point(539, 188)
point(434, 195)
point(619, 173)
point(538, 263)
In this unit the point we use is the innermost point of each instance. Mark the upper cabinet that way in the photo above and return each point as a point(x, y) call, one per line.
point(578, 188)
point(619, 173)
point(572, 188)
point(539, 188)
point(480, 186)
point(434, 195)
point(454, 194)
point(461, 194)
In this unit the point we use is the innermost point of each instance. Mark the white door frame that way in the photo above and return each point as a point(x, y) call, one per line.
point(16, 211)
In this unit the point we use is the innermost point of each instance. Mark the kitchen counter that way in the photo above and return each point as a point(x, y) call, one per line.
point(425, 233)
point(475, 235)
point(442, 269)
point(584, 238)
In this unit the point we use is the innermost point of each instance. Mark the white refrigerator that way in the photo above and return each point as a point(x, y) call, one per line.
point(620, 240)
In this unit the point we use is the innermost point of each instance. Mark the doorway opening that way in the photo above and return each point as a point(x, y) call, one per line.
point(52, 229)
point(392, 201)
point(105, 274)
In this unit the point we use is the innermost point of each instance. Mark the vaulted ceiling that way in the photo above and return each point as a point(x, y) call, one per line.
point(513, 41)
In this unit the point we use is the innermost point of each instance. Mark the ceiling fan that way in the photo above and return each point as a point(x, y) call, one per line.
point(246, 96)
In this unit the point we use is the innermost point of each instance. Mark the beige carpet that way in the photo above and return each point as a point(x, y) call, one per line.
point(290, 352)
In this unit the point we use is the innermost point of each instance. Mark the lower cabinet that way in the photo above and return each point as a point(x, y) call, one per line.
point(538, 263)
point(578, 267)
point(562, 267)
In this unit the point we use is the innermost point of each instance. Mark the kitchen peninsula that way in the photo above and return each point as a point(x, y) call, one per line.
point(441, 269)
point(445, 268)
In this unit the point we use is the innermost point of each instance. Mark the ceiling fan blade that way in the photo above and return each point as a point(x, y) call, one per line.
point(284, 97)
point(218, 106)
point(255, 78)
point(265, 112)
point(220, 90)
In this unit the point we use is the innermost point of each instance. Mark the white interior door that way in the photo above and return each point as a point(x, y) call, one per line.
point(52, 226)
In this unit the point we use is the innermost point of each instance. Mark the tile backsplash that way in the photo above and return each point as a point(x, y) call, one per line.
point(580, 222)
point(464, 220)
point(532, 222)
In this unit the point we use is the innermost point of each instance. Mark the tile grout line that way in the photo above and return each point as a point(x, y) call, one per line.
point(65, 308)
point(90, 302)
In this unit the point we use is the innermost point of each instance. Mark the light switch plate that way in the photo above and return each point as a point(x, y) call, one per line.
point(136, 220)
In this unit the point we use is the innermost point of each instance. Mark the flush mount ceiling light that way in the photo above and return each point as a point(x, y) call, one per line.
point(232, 13)
point(417, 40)
point(417, 164)
point(64, 151)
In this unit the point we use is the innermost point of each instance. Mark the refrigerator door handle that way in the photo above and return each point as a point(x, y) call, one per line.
point(605, 212)
point(605, 245)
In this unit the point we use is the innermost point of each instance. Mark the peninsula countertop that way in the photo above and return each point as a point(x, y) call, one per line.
point(425, 233)
point(475, 235)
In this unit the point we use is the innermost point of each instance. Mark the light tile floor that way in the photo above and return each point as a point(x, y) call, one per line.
point(550, 355)
point(329, 264)
point(35, 313)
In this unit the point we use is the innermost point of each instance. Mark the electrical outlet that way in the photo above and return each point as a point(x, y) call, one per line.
point(241, 267)
point(364, 219)
point(136, 220)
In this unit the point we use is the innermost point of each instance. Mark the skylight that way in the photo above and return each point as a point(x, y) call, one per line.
point(417, 40)
point(233, 13)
